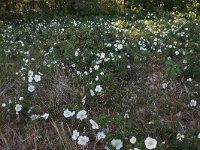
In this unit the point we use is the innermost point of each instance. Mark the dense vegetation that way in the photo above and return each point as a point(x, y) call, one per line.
point(92, 75)
point(87, 7)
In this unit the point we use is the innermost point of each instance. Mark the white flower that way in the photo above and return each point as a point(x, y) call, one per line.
point(106, 148)
point(143, 49)
point(164, 85)
point(37, 78)
point(150, 143)
point(198, 136)
point(94, 124)
point(101, 135)
point(126, 116)
point(40, 73)
point(78, 72)
point(133, 140)
point(83, 140)
point(180, 137)
point(31, 88)
point(106, 59)
point(81, 115)
point(117, 143)
point(97, 78)
point(83, 100)
point(85, 73)
point(193, 103)
point(30, 79)
point(34, 117)
point(119, 46)
point(151, 122)
point(102, 73)
point(98, 88)
point(18, 108)
point(3, 104)
point(96, 67)
point(136, 149)
point(185, 61)
point(109, 45)
point(30, 73)
point(90, 69)
point(21, 98)
point(102, 56)
point(75, 135)
point(176, 52)
point(76, 53)
point(73, 65)
point(68, 113)
point(92, 93)
point(159, 51)
point(189, 79)
point(45, 116)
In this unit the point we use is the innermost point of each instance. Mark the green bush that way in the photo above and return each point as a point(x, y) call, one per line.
point(152, 5)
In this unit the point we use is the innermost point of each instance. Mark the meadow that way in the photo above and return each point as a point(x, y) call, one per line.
point(128, 81)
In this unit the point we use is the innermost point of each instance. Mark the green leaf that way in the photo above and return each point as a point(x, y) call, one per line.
point(172, 68)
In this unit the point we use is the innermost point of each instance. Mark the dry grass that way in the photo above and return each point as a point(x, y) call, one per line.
point(146, 99)
point(51, 96)
point(19, 135)
point(37, 136)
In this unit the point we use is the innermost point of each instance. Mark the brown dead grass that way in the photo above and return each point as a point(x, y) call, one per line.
point(146, 99)
point(51, 96)
point(15, 134)
point(37, 136)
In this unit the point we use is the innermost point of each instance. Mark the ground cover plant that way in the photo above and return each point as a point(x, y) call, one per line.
point(125, 81)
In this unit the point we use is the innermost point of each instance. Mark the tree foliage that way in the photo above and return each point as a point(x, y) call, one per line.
point(8, 7)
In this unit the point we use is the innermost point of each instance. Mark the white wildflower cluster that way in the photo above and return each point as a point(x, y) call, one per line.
point(117, 143)
point(149, 142)
point(180, 136)
point(82, 115)
point(20, 104)
point(68, 113)
point(193, 103)
point(31, 78)
point(18, 108)
point(44, 116)
point(83, 140)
